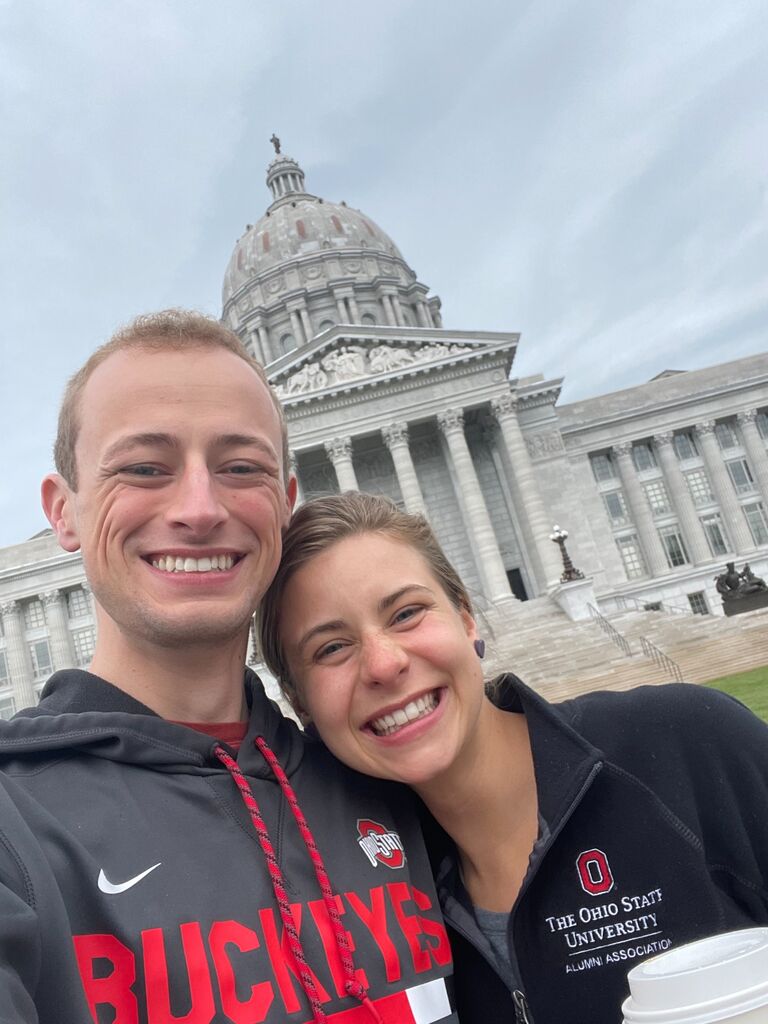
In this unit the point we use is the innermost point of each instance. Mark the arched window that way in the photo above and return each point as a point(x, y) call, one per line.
point(287, 343)
point(325, 325)
point(367, 318)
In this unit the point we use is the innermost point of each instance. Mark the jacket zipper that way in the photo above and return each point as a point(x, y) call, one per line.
point(522, 1013)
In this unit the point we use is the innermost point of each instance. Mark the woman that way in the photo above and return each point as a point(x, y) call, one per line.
point(574, 839)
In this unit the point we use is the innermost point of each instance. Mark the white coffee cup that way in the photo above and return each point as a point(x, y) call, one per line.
point(713, 981)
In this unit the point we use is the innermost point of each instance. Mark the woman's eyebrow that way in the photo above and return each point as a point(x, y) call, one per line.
point(390, 599)
point(322, 627)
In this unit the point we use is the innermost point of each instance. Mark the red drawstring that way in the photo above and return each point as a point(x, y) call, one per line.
point(352, 985)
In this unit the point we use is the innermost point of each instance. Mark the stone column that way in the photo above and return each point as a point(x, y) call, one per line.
point(396, 439)
point(504, 409)
point(306, 323)
point(389, 314)
point(640, 511)
point(422, 312)
point(682, 502)
point(339, 450)
point(266, 344)
point(398, 310)
point(725, 493)
point(341, 308)
point(298, 331)
point(20, 667)
point(477, 521)
point(62, 654)
point(755, 448)
point(354, 309)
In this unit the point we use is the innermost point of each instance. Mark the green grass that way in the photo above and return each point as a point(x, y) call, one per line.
point(751, 688)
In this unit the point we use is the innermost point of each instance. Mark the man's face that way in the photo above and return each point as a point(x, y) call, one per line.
point(181, 502)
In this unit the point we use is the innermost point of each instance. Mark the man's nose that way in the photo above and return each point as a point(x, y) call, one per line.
point(383, 660)
point(196, 502)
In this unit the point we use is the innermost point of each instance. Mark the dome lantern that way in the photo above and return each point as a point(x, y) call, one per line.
point(284, 175)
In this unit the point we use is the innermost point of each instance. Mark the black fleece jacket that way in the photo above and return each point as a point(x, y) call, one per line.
point(656, 801)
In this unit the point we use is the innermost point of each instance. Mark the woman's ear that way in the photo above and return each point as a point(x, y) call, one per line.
point(58, 500)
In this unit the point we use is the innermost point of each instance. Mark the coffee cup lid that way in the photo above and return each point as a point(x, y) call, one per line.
point(710, 980)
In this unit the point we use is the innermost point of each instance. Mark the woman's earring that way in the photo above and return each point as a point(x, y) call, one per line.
point(479, 646)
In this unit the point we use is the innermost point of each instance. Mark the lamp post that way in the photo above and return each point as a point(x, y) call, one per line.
point(570, 572)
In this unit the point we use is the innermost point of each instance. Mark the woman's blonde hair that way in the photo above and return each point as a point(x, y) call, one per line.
point(322, 522)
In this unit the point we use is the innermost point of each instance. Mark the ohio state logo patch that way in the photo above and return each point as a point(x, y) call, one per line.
point(595, 872)
point(380, 845)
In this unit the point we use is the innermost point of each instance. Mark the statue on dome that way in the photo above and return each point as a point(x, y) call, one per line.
point(276, 143)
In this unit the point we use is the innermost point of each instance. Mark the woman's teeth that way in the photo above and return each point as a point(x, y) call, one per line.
point(170, 563)
point(418, 708)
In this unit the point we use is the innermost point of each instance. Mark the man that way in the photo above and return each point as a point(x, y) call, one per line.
point(162, 829)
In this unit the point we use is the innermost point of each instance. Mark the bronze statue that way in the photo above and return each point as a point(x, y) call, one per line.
point(276, 143)
point(733, 585)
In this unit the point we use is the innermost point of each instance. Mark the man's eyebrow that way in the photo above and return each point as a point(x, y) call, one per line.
point(132, 441)
point(245, 441)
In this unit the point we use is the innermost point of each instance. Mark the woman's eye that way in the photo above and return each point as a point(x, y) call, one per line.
point(329, 649)
point(407, 613)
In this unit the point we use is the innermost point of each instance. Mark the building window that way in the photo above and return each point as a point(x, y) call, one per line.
point(713, 527)
point(657, 496)
point(41, 659)
point(685, 446)
point(84, 641)
point(287, 343)
point(7, 706)
point(617, 509)
point(77, 604)
point(34, 616)
point(762, 424)
point(698, 485)
point(644, 457)
point(758, 526)
point(602, 467)
point(741, 476)
point(674, 547)
point(631, 556)
point(368, 318)
point(698, 603)
point(726, 436)
point(4, 680)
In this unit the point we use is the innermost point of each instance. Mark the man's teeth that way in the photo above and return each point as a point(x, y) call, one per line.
point(171, 563)
point(418, 708)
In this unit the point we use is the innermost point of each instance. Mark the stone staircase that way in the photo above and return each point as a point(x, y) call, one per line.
point(560, 658)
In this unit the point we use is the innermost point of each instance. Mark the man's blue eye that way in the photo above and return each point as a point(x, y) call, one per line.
point(142, 470)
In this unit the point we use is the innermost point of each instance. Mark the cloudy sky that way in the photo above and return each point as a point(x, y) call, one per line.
point(591, 174)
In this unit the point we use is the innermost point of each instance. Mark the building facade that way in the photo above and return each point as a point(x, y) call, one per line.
point(658, 485)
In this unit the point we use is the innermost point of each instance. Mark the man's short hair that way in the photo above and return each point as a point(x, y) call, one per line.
point(170, 329)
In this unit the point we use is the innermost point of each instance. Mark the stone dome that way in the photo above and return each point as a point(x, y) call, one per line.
point(308, 264)
point(297, 224)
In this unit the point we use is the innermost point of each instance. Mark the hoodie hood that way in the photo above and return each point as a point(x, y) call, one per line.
point(79, 711)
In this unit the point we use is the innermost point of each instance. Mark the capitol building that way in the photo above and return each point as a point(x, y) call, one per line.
point(658, 485)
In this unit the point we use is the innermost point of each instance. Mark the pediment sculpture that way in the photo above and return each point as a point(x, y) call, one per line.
point(352, 362)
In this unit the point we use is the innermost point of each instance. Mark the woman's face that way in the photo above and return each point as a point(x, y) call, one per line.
point(384, 663)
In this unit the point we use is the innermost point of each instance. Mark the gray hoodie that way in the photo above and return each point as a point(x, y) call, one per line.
point(142, 872)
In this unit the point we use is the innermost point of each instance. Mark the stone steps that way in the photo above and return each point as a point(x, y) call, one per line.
point(561, 658)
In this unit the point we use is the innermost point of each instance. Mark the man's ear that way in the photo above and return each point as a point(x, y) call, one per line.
point(59, 506)
point(291, 492)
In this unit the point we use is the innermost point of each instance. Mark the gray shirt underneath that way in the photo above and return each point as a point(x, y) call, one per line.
point(494, 924)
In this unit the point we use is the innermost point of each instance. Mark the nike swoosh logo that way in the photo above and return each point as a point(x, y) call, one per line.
point(112, 888)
